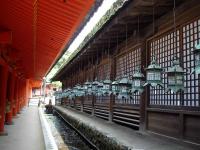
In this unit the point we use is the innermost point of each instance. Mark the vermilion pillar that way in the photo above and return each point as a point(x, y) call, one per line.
point(27, 91)
point(15, 97)
point(18, 95)
point(3, 89)
point(10, 99)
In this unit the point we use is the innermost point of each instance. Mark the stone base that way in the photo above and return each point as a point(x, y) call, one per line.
point(3, 133)
point(15, 116)
point(9, 123)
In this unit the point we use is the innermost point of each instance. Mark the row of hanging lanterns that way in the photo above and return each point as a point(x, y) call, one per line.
point(127, 85)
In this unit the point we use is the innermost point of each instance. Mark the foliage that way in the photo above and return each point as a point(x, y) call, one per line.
point(101, 141)
point(68, 56)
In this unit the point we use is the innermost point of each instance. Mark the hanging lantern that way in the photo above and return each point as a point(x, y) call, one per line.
point(67, 92)
point(75, 90)
point(175, 76)
point(71, 95)
point(137, 82)
point(94, 87)
point(89, 91)
point(197, 59)
point(79, 90)
point(154, 71)
point(100, 89)
point(106, 87)
point(125, 87)
point(115, 87)
point(85, 86)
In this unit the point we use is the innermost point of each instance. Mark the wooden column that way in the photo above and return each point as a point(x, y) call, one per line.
point(9, 114)
point(15, 97)
point(3, 90)
point(112, 97)
point(143, 100)
point(27, 92)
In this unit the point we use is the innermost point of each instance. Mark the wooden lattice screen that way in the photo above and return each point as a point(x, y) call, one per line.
point(102, 73)
point(126, 64)
point(181, 44)
point(103, 70)
point(191, 36)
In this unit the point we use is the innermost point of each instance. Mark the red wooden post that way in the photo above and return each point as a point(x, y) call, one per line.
point(16, 97)
point(27, 92)
point(9, 114)
point(3, 90)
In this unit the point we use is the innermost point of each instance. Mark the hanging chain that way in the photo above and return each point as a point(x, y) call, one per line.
point(175, 32)
point(126, 49)
point(138, 29)
point(107, 76)
point(153, 53)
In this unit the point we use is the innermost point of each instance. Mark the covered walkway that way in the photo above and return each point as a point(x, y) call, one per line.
point(126, 136)
point(26, 133)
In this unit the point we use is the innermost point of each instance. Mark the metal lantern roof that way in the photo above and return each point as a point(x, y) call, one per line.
point(95, 83)
point(176, 68)
point(107, 81)
point(138, 74)
point(124, 80)
point(154, 65)
point(116, 82)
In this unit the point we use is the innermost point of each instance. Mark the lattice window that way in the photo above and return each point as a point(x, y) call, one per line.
point(191, 36)
point(90, 74)
point(103, 71)
point(165, 48)
point(127, 64)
